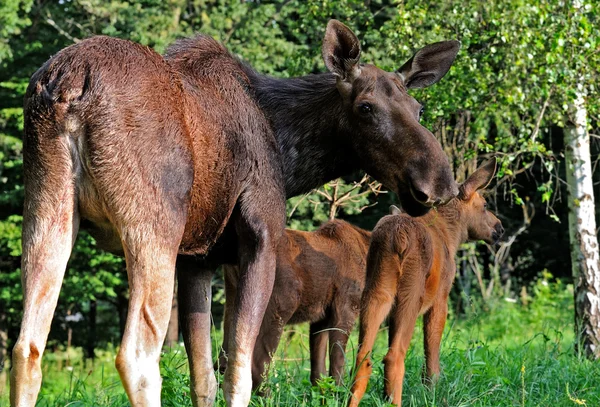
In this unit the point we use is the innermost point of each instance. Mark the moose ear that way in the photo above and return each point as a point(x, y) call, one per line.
point(394, 210)
point(341, 51)
point(480, 179)
point(429, 64)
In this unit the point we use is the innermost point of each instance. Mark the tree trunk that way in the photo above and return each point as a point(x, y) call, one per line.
point(582, 232)
point(91, 342)
point(3, 352)
point(173, 329)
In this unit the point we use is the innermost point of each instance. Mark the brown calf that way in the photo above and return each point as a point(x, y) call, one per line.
point(187, 159)
point(320, 278)
point(410, 267)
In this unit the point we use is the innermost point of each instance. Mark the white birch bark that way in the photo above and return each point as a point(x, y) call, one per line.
point(582, 231)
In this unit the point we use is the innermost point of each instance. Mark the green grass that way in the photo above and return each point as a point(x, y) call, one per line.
point(510, 355)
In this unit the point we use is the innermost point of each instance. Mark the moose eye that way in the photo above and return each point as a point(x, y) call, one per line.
point(421, 111)
point(365, 108)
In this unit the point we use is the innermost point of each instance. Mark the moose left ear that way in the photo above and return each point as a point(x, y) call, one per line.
point(429, 64)
point(341, 51)
point(480, 179)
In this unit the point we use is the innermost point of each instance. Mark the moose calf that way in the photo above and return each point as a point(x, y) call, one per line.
point(319, 279)
point(410, 266)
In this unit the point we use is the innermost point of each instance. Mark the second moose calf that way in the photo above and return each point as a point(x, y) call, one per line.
point(410, 266)
point(319, 279)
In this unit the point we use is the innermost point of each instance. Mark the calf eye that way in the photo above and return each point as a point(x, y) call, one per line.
point(485, 205)
point(365, 108)
point(421, 111)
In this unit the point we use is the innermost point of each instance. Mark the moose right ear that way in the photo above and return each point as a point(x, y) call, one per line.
point(341, 51)
point(394, 210)
point(429, 64)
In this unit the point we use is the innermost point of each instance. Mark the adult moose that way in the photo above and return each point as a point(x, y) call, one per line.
point(189, 159)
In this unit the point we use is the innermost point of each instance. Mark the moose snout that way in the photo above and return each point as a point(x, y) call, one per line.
point(498, 232)
point(427, 196)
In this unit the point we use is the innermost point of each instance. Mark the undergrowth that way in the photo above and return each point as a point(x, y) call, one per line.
point(507, 355)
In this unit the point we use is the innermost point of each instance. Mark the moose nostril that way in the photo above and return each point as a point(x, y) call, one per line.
point(420, 196)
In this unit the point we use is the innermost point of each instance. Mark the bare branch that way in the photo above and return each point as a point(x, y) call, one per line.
point(50, 21)
point(541, 116)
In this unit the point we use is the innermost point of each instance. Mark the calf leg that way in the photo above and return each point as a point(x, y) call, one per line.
point(194, 312)
point(50, 225)
point(266, 343)
point(318, 349)
point(343, 321)
point(150, 270)
point(411, 289)
point(404, 320)
point(377, 300)
point(433, 326)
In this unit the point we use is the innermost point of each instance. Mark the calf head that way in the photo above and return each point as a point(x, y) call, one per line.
point(382, 119)
point(480, 223)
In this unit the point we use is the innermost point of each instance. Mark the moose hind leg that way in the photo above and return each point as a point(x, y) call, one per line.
point(258, 228)
point(150, 270)
point(50, 225)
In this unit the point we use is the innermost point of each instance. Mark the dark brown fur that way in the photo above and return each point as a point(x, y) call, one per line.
point(319, 279)
point(188, 158)
point(410, 270)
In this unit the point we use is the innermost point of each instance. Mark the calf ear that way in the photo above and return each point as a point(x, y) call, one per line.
point(341, 51)
point(394, 210)
point(429, 64)
point(480, 179)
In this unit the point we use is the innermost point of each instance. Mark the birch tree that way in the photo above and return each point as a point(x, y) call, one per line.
point(582, 230)
point(585, 259)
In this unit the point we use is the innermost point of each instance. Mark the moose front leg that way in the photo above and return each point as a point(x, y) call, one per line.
point(194, 296)
point(230, 275)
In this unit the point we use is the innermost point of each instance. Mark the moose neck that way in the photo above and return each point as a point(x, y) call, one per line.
point(447, 220)
point(306, 115)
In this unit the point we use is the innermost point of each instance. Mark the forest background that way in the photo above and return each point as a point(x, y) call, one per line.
point(511, 94)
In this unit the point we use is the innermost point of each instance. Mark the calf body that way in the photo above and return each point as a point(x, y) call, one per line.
point(410, 270)
point(319, 279)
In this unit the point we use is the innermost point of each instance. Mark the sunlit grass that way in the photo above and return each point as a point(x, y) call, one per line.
point(510, 355)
